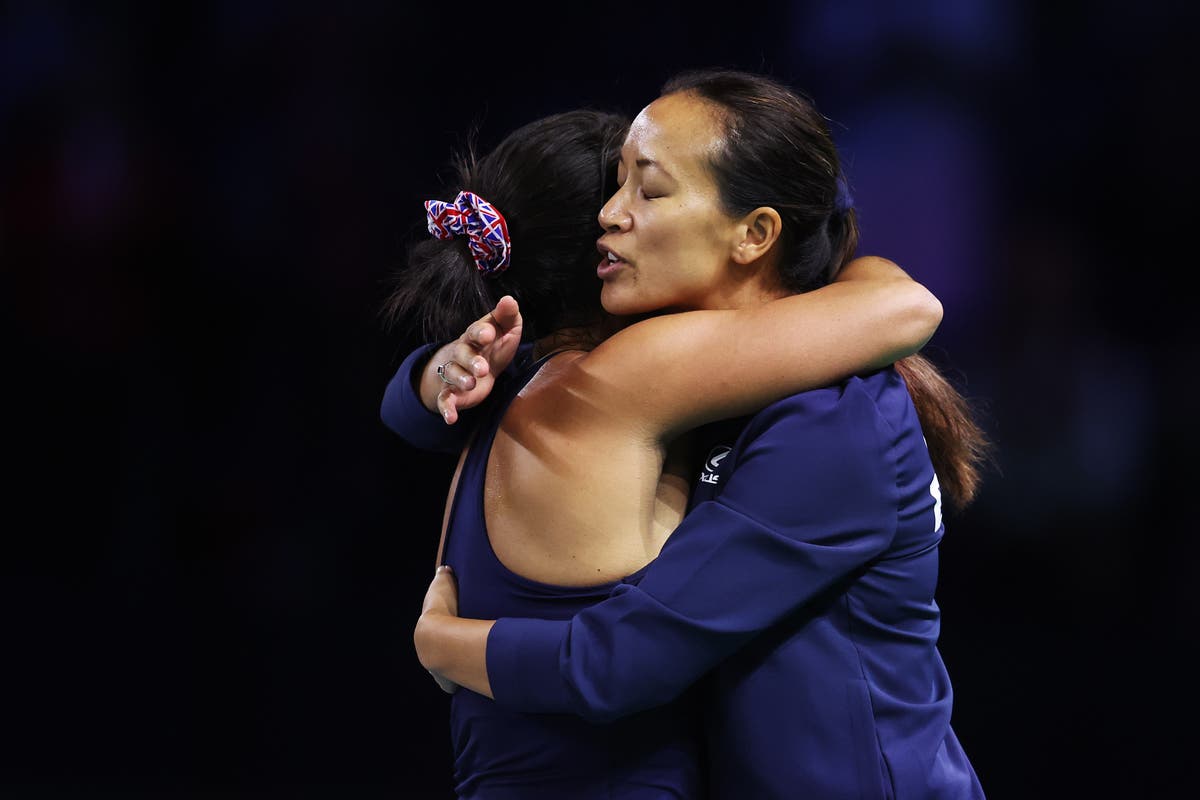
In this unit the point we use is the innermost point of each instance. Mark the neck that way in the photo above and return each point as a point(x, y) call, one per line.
point(744, 285)
point(754, 291)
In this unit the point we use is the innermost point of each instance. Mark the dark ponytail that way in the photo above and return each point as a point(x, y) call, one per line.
point(958, 447)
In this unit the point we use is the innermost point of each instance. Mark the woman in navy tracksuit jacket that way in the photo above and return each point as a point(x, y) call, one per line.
point(799, 589)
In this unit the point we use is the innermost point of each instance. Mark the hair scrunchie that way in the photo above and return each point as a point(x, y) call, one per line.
point(477, 219)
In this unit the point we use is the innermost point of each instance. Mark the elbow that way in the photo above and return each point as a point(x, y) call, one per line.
point(386, 418)
point(389, 410)
point(387, 421)
point(925, 315)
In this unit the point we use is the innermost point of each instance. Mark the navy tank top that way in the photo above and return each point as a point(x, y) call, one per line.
point(501, 754)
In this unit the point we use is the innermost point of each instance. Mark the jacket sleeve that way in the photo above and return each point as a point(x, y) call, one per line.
point(403, 412)
point(811, 499)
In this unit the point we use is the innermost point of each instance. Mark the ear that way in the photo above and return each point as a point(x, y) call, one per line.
point(755, 233)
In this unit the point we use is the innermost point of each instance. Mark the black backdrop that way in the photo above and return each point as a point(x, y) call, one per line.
point(214, 550)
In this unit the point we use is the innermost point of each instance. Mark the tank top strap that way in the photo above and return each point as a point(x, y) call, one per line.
point(467, 503)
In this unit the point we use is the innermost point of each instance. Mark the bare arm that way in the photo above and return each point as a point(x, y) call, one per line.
point(677, 371)
point(454, 650)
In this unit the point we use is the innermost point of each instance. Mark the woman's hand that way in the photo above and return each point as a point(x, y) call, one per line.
point(440, 599)
point(469, 365)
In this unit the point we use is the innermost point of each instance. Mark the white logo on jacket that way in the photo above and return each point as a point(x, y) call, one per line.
point(713, 463)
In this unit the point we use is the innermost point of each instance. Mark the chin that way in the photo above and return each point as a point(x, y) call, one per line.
point(620, 302)
point(611, 300)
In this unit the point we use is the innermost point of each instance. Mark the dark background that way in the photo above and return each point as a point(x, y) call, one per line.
point(214, 552)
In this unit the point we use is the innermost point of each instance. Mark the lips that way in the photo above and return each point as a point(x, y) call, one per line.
point(612, 263)
point(607, 268)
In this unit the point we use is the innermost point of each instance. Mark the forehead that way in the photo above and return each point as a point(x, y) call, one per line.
point(679, 131)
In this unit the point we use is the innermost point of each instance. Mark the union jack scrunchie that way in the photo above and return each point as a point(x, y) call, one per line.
point(477, 219)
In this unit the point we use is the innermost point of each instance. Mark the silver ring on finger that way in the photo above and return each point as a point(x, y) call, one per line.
point(441, 371)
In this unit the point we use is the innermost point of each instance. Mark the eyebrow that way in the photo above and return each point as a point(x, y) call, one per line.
point(642, 163)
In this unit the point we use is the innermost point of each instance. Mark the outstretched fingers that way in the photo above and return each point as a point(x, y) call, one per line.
point(484, 350)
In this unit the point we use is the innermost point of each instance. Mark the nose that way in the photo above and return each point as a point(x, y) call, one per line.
point(613, 216)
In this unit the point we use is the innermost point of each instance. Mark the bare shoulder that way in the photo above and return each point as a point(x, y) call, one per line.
point(571, 397)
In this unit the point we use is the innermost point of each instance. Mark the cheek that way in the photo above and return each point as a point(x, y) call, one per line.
point(672, 236)
point(691, 251)
point(678, 255)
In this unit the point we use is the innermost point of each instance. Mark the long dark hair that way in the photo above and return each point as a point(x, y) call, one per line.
point(778, 151)
point(548, 178)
